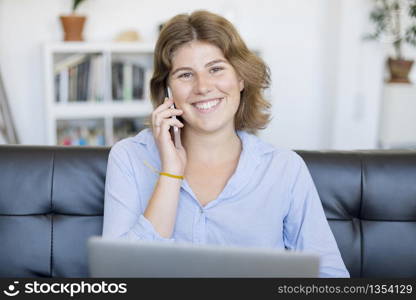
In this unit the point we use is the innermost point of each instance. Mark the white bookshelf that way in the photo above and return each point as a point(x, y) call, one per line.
point(104, 110)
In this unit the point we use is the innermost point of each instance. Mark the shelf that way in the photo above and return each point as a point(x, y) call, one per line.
point(81, 79)
point(104, 109)
point(127, 47)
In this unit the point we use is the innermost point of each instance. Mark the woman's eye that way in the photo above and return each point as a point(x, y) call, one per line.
point(185, 75)
point(216, 69)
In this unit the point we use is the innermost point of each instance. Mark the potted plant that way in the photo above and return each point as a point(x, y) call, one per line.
point(395, 23)
point(73, 24)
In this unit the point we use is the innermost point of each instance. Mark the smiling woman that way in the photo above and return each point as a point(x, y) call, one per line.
point(219, 184)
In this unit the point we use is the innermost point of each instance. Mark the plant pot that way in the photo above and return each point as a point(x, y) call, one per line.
point(399, 70)
point(73, 26)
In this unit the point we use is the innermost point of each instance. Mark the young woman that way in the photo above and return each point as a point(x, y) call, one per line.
point(219, 183)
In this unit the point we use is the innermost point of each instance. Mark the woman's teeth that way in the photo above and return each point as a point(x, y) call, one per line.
point(207, 105)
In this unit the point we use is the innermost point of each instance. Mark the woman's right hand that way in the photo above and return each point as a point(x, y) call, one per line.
point(173, 158)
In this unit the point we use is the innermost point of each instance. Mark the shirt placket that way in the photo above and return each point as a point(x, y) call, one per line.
point(199, 228)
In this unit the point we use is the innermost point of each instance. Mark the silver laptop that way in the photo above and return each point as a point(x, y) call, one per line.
point(123, 258)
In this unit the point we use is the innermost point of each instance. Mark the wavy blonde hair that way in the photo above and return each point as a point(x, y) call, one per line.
point(254, 111)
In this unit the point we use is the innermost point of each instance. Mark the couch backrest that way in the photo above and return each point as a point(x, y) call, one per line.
point(369, 198)
point(51, 201)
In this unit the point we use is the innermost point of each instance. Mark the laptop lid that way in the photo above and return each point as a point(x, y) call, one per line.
point(123, 258)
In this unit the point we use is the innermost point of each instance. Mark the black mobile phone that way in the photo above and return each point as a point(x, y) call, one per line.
point(174, 130)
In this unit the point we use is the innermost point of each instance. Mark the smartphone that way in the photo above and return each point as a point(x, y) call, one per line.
point(174, 130)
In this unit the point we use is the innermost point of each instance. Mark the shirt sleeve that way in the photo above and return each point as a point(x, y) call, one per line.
point(306, 227)
point(123, 214)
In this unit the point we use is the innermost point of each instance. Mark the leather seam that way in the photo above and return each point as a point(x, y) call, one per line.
point(52, 214)
point(361, 214)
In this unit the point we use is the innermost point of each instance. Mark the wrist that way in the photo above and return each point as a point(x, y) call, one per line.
point(170, 175)
point(173, 171)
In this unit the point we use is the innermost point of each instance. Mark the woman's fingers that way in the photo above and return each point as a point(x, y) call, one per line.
point(165, 105)
point(166, 114)
point(164, 133)
point(164, 124)
point(167, 123)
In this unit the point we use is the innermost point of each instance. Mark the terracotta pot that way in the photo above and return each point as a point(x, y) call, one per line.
point(73, 26)
point(399, 70)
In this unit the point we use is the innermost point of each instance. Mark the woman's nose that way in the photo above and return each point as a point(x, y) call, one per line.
point(203, 84)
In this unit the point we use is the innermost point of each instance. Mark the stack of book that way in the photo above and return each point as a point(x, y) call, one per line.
point(80, 77)
point(128, 81)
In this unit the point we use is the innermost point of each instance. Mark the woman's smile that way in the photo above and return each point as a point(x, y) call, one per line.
point(207, 106)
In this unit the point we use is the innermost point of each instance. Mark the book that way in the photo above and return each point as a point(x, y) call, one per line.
point(127, 81)
point(92, 79)
point(85, 70)
point(138, 82)
point(147, 77)
point(69, 61)
point(71, 84)
point(99, 78)
point(117, 80)
point(57, 91)
point(62, 87)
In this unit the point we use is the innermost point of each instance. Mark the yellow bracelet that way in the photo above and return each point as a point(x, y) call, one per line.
point(171, 175)
point(161, 173)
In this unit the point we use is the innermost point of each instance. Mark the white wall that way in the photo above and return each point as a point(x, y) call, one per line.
point(293, 44)
point(320, 68)
point(359, 81)
point(361, 73)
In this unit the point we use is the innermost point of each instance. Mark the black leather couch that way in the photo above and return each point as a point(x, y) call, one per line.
point(51, 201)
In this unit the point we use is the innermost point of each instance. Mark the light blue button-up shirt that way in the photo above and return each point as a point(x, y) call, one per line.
point(270, 201)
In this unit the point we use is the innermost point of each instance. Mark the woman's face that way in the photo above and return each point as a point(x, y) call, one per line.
point(205, 86)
